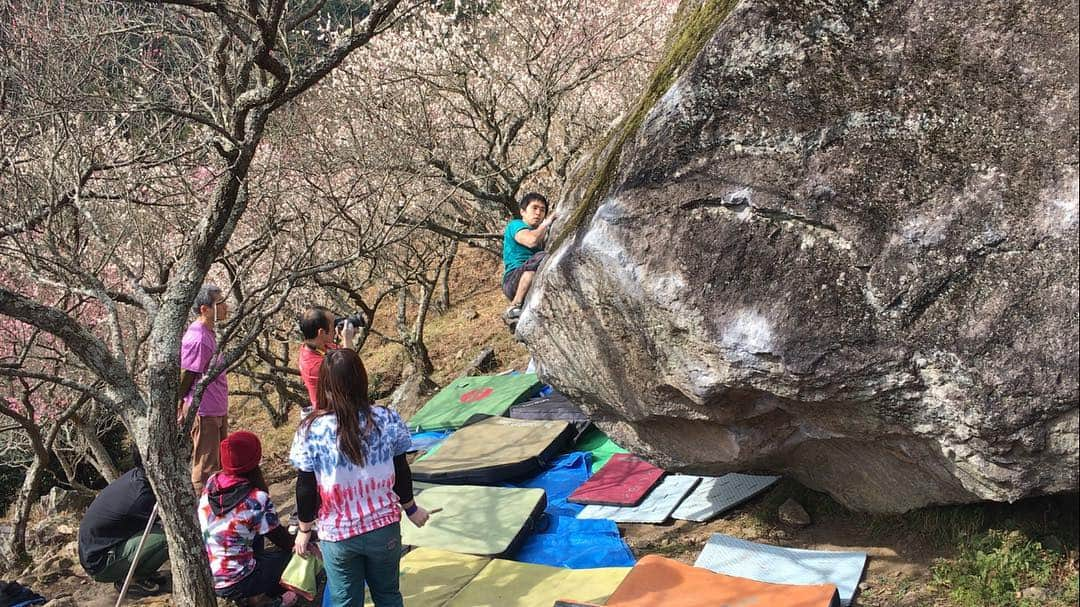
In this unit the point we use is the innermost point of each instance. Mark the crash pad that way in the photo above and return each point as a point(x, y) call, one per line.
point(778, 565)
point(430, 577)
point(485, 521)
point(553, 406)
point(599, 445)
point(467, 396)
point(505, 583)
point(624, 481)
point(493, 450)
point(717, 494)
point(655, 508)
point(656, 580)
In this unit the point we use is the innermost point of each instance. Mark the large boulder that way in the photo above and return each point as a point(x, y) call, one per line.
point(842, 246)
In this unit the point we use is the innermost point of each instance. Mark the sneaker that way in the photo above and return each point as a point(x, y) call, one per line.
point(512, 313)
point(137, 589)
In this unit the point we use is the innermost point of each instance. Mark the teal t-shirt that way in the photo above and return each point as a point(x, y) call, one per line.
point(516, 254)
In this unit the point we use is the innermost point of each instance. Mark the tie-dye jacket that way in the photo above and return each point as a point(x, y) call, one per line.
point(230, 537)
point(354, 499)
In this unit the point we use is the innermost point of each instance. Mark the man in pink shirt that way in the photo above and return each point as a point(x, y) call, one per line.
point(317, 327)
point(198, 356)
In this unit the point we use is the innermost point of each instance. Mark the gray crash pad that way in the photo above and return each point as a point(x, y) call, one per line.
point(778, 565)
point(655, 508)
point(717, 494)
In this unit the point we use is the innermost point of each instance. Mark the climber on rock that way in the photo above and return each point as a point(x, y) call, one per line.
point(523, 250)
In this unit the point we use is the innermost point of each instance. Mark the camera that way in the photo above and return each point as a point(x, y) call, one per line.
point(356, 320)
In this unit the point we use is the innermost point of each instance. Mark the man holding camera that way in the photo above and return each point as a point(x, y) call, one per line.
point(320, 329)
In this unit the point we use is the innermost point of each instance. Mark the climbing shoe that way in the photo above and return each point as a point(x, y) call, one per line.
point(512, 314)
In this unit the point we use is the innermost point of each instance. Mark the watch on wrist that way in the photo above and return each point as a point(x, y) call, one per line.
point(411, 510)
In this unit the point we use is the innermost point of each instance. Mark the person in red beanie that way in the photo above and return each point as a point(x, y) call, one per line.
point(236, 513)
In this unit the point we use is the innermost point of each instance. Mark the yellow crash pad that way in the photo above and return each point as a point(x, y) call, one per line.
point(485, 521)
point(512, 584)
point(430, 578)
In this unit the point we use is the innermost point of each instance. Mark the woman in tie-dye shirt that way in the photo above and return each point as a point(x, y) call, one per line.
point(355, 481)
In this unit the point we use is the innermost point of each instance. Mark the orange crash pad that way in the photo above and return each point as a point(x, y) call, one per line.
point(656, 580)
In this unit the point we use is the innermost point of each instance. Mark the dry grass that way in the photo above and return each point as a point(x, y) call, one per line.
point(453, 338)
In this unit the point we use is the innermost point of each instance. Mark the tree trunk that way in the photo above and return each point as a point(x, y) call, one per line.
point(99, 456)
point(15, 544)
point(413, 337)
point(168, 467)
point(444, 278)
point(69, 467)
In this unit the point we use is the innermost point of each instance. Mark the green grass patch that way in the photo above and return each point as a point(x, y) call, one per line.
point(942, 526)
point(993, 569)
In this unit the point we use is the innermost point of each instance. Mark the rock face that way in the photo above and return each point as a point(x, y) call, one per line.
point(843, 246)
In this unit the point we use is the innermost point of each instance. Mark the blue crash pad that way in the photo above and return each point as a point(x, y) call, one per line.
point(778, 565)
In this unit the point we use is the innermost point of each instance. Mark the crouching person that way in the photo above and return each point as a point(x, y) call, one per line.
point(111, 529)
point(236, 514)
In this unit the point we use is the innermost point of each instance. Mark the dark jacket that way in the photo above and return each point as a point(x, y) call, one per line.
point(117, 514)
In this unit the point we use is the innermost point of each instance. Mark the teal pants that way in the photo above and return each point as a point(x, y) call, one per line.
point(373, 557)
point(154, 554)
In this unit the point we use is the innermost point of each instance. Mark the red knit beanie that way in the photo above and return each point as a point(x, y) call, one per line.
point(240, 452)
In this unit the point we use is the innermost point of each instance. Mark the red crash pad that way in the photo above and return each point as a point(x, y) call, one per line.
point(624, 481)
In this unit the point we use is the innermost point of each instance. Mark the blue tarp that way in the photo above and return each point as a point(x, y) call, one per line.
point(561, 540)
point(428, 441)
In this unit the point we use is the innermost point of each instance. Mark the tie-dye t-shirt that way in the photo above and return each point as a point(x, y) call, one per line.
point(230, 538)
point(354, 499)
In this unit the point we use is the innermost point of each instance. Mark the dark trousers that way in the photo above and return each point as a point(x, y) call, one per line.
point(266, 577)
point(513, 277)
point(154, 554)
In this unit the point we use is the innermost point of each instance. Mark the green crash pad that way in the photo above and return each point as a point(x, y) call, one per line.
point(602, 448)
point(430, 578)
point(485, 521)
point(494, 450)
point(467, 396)
point(512, 584)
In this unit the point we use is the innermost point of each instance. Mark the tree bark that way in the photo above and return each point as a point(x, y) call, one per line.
point(14, 547)
point(15, 544)
point(98, 455)
point(444, 278)
point(168, 467)
point(412, 338)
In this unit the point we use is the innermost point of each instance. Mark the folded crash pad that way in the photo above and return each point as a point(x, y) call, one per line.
point(511, 584)
point(493, 450)
point(599, 445)
point(430, 578)
point(485, 521)
point(624, 481)
point(554, 406)
point(467, 396)
point(777, 565)
point(655, 508)
point(717, 494)
point(656, 580)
